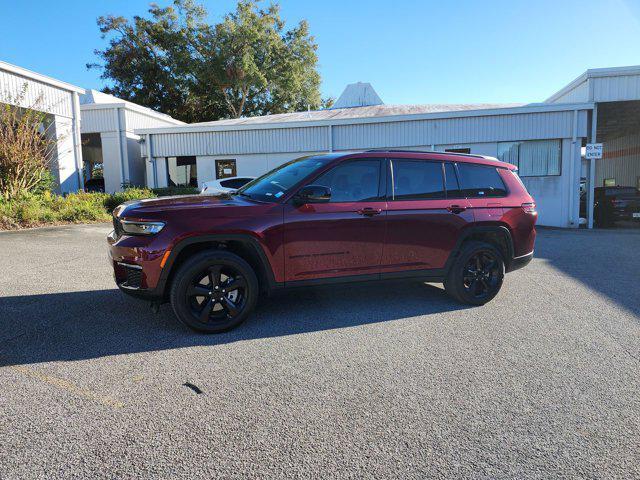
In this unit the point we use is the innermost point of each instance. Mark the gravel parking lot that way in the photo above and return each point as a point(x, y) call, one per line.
point(376, 380)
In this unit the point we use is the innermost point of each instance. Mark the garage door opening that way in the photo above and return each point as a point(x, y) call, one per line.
point(617, 174)
point(93, 162)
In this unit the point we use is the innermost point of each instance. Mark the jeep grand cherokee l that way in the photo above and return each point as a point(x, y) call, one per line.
point(462, 220)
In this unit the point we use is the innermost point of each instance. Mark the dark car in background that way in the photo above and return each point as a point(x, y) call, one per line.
point(94, 185)
point(462, 220)
point(612, 204)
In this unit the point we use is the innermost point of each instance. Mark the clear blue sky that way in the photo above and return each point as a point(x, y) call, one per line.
point(411, 51)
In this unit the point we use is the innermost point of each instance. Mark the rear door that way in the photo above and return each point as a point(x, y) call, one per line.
point(345, 236)
point(426, 212)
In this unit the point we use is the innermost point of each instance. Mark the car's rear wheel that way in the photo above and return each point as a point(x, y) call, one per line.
point(476, 275)
point(214, 291)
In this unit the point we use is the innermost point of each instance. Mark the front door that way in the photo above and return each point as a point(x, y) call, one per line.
point(345, 236)
point(426, 214)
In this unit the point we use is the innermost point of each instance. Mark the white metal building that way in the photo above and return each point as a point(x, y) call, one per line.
point(109, 141)
point(60, 101)
point(545, 140)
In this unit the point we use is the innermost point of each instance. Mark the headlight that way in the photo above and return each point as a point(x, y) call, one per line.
point(141, 228)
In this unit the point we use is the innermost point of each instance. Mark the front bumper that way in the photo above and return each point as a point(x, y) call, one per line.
point(136, 264)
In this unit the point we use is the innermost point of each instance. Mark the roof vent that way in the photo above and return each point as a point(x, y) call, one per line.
point(358, 95)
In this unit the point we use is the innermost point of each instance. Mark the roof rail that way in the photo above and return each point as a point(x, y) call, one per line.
point(390, 150)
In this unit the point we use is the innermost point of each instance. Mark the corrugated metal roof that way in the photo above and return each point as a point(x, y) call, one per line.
point(373, 111)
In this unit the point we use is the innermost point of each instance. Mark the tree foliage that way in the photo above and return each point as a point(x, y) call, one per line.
point(175, 62)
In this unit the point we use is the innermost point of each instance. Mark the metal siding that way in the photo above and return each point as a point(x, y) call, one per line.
point(136, 120)
point(611, 89)
point(38, 95)
point(241, 142)
point(578, 94)
point(97, 121)
point(547, 125)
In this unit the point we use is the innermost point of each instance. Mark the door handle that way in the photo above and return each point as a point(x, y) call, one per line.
point(456, 208)
point(369, 212)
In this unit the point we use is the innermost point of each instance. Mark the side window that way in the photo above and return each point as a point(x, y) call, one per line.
point(417, 180)
point(352, 181)
point(451, 181)
point(479, 181)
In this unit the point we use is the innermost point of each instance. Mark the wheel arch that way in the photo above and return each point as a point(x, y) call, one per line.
point(497, 235)
point(245, 246)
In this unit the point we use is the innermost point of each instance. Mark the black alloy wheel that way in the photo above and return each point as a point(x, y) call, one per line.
point(214, 291)
point(481, 276)
point(217, 294)
point(477, 273)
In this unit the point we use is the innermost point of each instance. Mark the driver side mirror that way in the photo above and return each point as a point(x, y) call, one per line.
point(312, 194)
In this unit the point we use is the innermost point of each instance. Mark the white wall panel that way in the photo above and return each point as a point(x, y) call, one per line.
point(241, 142)
point(252, 165)
point(34, 94)
point(557, 196)
point(98, 120)
point(531, 126)
point(136, 120)
point(578, 94)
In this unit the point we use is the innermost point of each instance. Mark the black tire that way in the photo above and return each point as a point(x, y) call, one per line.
point(467, 282)
point(200, 305)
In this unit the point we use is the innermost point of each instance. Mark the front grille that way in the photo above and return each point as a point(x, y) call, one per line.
point(134, 276)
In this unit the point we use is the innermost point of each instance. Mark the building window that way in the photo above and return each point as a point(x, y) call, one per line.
point(226, 169)
point(534, 158)
point(182, 172)
point(609, 182)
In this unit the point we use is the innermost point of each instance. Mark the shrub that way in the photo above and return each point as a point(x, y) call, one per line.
point(29, 209)
point(26, 147)
point(112, 201)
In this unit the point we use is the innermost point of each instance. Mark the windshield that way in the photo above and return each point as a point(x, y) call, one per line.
point(276, 183)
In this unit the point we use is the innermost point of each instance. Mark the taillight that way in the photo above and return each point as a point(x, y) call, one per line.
point(529, 207)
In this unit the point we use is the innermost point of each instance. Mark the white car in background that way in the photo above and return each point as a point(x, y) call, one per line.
point(224, 185)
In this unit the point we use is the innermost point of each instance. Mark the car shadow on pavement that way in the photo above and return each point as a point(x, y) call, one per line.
point(91, 324)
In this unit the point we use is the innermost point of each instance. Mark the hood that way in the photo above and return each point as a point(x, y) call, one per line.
point(154, 206)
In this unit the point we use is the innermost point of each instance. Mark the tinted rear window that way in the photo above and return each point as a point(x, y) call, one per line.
point(417, 179)
point(479, 181)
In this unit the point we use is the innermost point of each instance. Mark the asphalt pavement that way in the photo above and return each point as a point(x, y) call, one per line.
point(389, 380)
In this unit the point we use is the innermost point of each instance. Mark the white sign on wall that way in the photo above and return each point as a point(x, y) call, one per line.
point(593, 150)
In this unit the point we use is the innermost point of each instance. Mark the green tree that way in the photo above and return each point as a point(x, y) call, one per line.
point(175, 62)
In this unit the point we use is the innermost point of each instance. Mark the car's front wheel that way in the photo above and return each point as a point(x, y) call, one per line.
point(214, 291)
point(476, 274)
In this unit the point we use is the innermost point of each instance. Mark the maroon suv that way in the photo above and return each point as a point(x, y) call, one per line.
point(463, 220)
